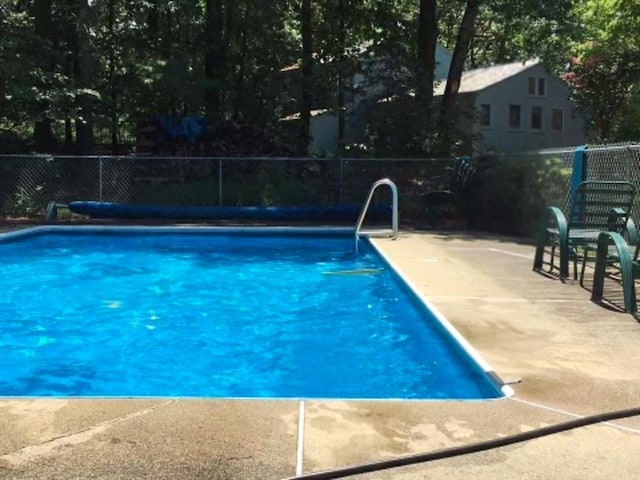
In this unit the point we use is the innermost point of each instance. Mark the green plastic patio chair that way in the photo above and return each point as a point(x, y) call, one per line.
point(613, 250)
point(596, 206)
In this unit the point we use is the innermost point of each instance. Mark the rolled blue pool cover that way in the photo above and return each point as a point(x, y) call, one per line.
point(130, 211)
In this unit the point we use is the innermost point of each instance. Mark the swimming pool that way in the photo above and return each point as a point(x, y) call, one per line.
point(221, 312)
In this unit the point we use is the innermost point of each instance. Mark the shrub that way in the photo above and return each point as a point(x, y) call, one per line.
point(509, 195)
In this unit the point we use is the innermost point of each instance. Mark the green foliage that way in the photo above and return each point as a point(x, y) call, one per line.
point(147, 57)
point(509, 194)
point(25, 84)
point(601, 85)
point(109, 63)
point(605, 70)
point(25, 203)
point(628, 128)
point(400, 127)
point(510, 30)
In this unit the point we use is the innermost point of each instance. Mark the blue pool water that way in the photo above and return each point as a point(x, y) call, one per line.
point(219, 315)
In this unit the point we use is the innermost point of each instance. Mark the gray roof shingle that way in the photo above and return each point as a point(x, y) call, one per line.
point(481, 78)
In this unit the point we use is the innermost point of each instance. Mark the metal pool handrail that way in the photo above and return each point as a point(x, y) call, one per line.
point(394, 209)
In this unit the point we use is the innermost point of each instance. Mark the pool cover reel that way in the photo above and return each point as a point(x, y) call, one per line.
point(466, 449)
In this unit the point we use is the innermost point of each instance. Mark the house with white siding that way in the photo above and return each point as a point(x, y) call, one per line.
point(518, 106)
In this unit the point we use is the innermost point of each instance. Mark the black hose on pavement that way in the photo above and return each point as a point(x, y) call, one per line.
point(466, 449)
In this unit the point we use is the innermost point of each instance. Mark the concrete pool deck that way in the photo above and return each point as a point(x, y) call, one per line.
point(572, 357)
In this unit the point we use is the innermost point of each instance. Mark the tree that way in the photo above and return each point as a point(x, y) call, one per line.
point(427, 42)
point(264, 39)
point(215, 56)
point(105, 64)
point(306, 20)
point(43, 136)
point(511, 30)
point(341, 52)
point(448, 114)
point(602, 83)
point(112, 80)
point(84, 73)
point(605, 69)
point(16, 98)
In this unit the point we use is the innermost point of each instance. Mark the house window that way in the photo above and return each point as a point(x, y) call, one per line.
point(514, 116)
point(557, 119)
point(485, 115)
point(536, 118)
point(537, 86)
point(541, 87)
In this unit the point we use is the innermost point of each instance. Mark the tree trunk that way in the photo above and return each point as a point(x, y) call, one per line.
point(165, 35)
point(42, 133)
point(463, 42)
point(68, 134)
point(427, 41)
point(214, 57)
point(70, 38)
point(153, 20)
point(242, 61)
point(113, 90)
point(84, 77)
point(306, 19)
point(342, 74)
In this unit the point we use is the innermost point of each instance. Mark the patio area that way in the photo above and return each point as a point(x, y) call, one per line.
point(567, 357)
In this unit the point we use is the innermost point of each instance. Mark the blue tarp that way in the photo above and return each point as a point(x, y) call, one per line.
point(189, 127)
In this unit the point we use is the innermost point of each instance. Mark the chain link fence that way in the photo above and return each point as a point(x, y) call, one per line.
point(614, 162)
point(511, 190)
point(29, 183)
point(508, 191)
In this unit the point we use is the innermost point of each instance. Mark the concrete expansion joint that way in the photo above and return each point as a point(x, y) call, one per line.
point(300, 443)
point(15, 459)
point(548, 408)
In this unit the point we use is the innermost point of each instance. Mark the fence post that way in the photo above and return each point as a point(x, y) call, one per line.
point(579, 173)
point(219, 182)
point(100, 178)
point(338, 198)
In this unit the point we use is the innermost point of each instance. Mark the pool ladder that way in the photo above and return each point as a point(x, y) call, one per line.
point(393, 232)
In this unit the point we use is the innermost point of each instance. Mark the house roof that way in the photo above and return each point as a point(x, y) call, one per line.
point(297, 116)
point(481, 78)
